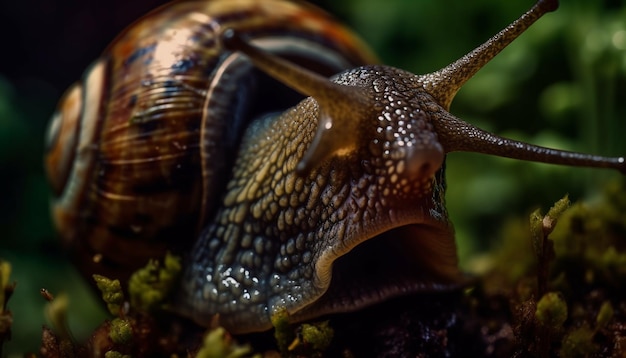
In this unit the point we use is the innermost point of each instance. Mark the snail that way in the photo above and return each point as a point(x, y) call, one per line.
point(185, 135)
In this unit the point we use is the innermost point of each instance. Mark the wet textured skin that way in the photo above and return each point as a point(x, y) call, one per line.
point(274, 240)
point(338, 203)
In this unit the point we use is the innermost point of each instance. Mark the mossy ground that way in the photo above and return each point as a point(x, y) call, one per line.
point(553, 288)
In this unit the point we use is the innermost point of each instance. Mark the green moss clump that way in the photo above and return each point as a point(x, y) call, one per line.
point(283, 332)
point(150, 286)
point(121, 331)
point(578, 343)
point(540, 228)
point(115, 354)
point(317, 336)
point(605, 315)
point(5, 274)
point(112, 293)
point(56, 313)
point(219, 344)
point(300, 340)
point(591, 237)
point(610, 266)
point(6, 289)
point(583, 258)
point(551, 310)
point(553, 215)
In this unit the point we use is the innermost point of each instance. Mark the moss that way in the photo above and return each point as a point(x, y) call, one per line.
point(551, 310)
point(115, 354)
point(583, 258)
point(219, 344)
point(6, 290)
point(318, 336)
point(560, 274)
point(283, 331)
point(303, 340)
point(561, 283)
point(605, 315)
point(590, 243)
point(56, 313)
point(540, 228)
point(5, 276)
point(578, 343)
point(112, 293)
point(150, 286)
point(121, 331)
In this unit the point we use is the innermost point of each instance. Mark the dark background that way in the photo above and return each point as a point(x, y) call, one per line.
point(562, 84)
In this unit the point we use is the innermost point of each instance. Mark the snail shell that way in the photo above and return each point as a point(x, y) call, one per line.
point(139, 151)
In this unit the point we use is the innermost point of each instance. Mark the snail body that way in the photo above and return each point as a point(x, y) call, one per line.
point(334, 204)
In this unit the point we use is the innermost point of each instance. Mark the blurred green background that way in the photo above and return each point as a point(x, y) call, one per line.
point(562, 84)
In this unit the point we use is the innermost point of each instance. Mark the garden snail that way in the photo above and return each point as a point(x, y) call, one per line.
point(334, 204)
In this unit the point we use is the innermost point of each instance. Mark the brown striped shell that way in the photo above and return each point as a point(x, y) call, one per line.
point(136, 151)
